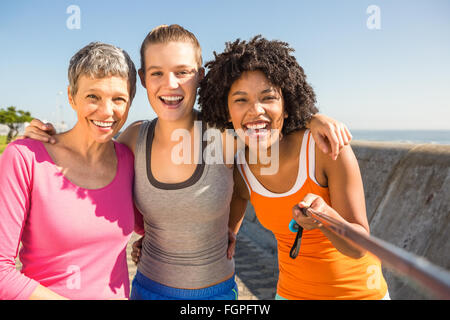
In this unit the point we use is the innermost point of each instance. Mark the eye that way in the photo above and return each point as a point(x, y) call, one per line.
point(240, 100)
point(270, 98)
point(120, 100)
point(92, 96)
point(183, 73)
point(156, 74)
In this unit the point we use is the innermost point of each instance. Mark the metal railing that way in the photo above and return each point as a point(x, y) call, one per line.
point(432, 278)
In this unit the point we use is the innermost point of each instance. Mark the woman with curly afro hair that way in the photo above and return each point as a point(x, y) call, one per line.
point(274, 59)
point(259, 89)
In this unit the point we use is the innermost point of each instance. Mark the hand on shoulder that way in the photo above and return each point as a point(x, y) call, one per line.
point(129, 136)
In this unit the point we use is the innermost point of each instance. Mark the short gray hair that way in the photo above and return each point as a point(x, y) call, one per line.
point(100, 60)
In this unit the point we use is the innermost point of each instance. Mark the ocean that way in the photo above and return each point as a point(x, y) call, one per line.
point(404, 136)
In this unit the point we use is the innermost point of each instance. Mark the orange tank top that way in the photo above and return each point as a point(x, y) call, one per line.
point(320, 271)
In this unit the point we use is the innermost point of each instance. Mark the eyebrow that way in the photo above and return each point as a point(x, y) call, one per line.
point(181, 66)
point(236, 93)
point(115, 93)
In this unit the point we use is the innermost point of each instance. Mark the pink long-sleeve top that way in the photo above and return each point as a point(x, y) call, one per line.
point(73, 239)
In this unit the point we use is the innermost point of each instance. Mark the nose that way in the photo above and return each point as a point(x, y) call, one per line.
point(257, 108)
point(107, 108)
point(171, 80)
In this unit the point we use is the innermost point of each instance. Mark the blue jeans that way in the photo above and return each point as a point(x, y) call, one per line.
point(144, 288)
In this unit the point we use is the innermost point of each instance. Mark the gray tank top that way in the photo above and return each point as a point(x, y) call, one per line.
point(186, 224)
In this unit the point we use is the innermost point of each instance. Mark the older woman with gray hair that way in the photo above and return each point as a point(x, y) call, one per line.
point(70, 203)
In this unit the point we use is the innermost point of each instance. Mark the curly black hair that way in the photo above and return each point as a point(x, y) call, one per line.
point(275, 60)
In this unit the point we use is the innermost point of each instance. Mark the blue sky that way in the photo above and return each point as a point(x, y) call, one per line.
point(395, 77)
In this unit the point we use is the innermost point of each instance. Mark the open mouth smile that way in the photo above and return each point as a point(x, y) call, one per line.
point(171, 101)
point(105, 125)
point(257, 129)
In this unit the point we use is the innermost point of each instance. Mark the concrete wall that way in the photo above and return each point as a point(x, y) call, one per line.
point(407, 190)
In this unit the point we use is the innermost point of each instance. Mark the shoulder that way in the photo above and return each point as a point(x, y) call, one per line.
point(292, 144)
point(298, 133)
point(25, 148)
point(123, 150)
point(25, 143)
point(20, 156)
point(126, 159)
point(129, 136)
point(296, 137)
point(346, 163)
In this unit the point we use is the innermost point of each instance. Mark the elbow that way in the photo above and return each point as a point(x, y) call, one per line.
point(13, 284)
point(359, 254)
point(350, 249)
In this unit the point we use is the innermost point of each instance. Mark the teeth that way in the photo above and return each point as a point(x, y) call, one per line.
point(256, 126)
point(171, 98)
point(103, 124)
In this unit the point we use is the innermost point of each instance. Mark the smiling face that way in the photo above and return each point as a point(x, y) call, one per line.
point(256, 108)
point(101, 105)
point(171, 78)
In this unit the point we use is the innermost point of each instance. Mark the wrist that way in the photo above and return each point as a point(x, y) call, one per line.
point(309, 119)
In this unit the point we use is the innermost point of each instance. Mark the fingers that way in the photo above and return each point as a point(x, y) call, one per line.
point(137, 245)
point(38, 135)
point(329, 134)
point(34, 131)
point(231, 244)
point(309, 201)
point(37, 123)
point(50, 128)
point(231, 250)
point(136, 252)
point(347, 134)
point(47, 127)
point(306, 222)
point(321, 142)
point(335, 143)
point(329, 140)
point(333, 139)
point(344, 136)
point(136, 255)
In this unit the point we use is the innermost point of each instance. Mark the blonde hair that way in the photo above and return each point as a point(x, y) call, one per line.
point(173, 33)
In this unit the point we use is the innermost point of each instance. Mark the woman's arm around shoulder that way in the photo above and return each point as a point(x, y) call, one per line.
point(129, 136)
point(238, 206)
point(329, 134)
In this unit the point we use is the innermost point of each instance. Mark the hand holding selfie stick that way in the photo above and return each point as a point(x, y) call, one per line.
point(435, 279)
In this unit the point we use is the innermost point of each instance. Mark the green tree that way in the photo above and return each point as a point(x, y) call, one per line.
point(13, 119)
